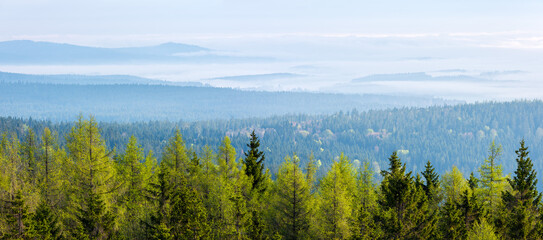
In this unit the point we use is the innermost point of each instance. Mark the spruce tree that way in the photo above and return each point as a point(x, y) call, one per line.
point(254, 163)
point(44, 223)
point(523, 202)
point(403, 204)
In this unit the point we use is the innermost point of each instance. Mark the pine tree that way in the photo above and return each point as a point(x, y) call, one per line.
point(254, 163)
point(523, 202)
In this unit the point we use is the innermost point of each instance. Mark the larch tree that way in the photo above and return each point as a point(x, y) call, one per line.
point(94, 182)
point(492, 182)
point(292, 201)
point(337, 192)
point(364, 226)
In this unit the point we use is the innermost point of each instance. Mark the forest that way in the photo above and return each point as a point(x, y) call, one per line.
point(446, 135)
point(83, 189)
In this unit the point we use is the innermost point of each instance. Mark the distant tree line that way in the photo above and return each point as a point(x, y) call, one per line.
point(86, 190)
point(448, 135)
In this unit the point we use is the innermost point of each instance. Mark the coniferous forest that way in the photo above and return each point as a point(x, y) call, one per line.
point(79, 188)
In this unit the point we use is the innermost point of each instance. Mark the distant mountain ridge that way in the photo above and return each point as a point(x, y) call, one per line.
point(32, 52)
point(7, 77)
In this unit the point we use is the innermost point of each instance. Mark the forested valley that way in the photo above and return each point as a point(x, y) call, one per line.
point(227, 179)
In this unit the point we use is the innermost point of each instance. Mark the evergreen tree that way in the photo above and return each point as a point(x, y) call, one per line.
point(431, 186)
point(403, 205)
point(471, 211)
point(451, 222)
point(50, 162)
point(254, 163)
point(44, 224)
point(523, 202)
point(17, 218)
point(158, 226)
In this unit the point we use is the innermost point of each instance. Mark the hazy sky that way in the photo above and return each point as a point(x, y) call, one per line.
point(129, 22)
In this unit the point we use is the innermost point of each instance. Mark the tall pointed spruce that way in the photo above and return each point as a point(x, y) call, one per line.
point(523, 202)
point(254, 163)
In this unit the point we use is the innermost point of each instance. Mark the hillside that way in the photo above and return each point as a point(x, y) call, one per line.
point(32, 52)
point(137, 102)
point(452, 135)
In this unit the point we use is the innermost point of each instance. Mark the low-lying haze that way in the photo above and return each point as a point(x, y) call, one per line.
point(471, 50)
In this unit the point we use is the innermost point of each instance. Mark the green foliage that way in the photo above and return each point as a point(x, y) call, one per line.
point(523, 202)
point(482, 230)
point(404, 212)
point(81, 190)
point(492, 182)
point(337, 192)
point(292, 202)
point(254, 163)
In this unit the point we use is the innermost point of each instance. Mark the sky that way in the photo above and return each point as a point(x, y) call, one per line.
point(330, 43)
point(117, 21)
